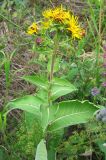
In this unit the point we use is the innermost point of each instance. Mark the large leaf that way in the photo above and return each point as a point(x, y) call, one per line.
point(43, 94)
point(28, 103)
point(41, 153)
point(38, 81)
point(61, 87)
point(70, 113)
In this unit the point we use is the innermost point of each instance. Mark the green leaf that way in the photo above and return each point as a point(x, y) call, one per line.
point(70, 113)
point(38, 81)
point(2, 55)
point(43, 94)
point(27, 103)
point(7, 72)
point(41, 153)
point(61, 87)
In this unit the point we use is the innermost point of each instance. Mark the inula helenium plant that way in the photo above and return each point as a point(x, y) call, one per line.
point(45, 105)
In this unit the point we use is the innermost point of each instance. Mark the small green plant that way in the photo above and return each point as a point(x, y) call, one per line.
point(6, 63)
point(87, 142)
point(28, 134)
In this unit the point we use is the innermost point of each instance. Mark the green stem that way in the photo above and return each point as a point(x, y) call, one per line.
point(51, 154)
point(7, 77)
point(52, 68)
point(54, 56)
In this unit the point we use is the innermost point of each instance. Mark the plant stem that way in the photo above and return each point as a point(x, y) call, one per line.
point(7, 77)
point(53, 57)
point(51, 154)
point(52, 68)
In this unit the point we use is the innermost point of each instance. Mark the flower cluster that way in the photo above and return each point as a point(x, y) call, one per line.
point(60, 18)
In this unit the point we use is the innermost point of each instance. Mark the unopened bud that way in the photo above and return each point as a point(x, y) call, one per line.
point(38, 40)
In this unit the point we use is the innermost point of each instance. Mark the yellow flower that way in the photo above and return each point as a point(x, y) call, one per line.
point(46, 24)
point(60, 15)
point(33, 29)
point(74, 27)
point(47, 13)
point(57, 14)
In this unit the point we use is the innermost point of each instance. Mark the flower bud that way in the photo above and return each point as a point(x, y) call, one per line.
point(38, 40)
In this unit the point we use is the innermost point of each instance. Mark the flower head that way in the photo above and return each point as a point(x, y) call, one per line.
point(57, 14)
point(33, 29)
point(74, 27)
point(60, 15)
